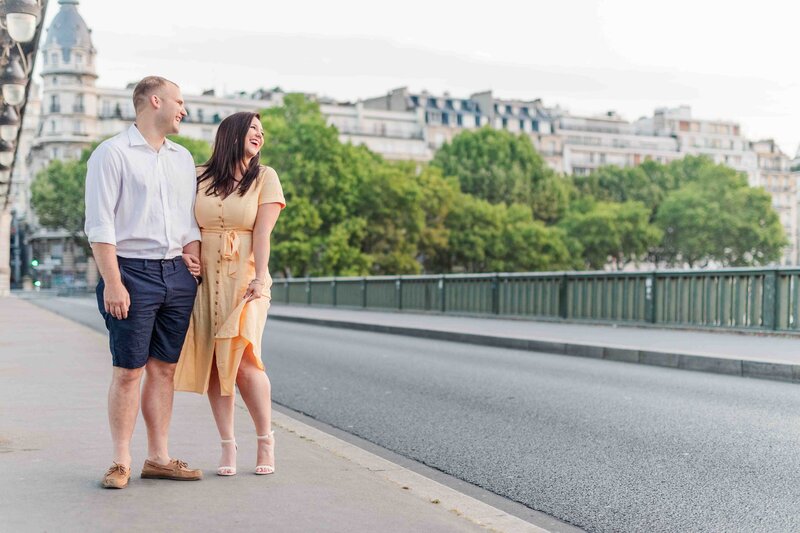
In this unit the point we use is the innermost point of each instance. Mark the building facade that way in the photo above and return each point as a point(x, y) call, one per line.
point(776, 177)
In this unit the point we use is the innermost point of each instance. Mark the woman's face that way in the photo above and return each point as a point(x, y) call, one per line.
point(254, 139)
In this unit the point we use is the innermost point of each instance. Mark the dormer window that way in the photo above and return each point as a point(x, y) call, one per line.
point(79, 59)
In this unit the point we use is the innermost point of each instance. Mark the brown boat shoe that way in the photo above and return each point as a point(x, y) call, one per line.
point(117, 477)
point(175, 469)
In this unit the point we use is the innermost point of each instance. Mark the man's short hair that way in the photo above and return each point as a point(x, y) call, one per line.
point(146, 87)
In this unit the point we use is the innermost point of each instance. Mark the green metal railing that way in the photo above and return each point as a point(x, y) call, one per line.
point(736, 298)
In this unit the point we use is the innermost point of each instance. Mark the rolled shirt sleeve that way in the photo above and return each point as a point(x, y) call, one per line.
point(103, 181)
point(194, 230)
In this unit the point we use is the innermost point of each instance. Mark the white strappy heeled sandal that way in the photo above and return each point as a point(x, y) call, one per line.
point(267, 469)
point(227, 470)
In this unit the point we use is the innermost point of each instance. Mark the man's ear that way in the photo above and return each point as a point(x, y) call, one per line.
point(155, 100)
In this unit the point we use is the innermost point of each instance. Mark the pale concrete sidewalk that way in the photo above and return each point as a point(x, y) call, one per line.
point(749, 355)
point(54, 448)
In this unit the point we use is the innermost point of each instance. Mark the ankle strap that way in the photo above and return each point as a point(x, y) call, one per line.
point(267, 436)
point(228, 441)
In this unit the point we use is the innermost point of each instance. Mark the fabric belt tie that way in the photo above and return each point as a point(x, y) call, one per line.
point(230, 247)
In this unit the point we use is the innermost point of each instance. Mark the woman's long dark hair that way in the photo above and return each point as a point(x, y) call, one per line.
point(228, 156)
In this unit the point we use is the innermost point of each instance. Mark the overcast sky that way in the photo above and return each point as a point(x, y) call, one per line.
point(729, 60)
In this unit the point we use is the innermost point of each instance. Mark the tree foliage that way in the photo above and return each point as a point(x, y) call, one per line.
point(612, 233)
point(501, 167)
point(716, 217)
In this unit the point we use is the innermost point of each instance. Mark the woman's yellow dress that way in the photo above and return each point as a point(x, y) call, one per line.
point(223, 328)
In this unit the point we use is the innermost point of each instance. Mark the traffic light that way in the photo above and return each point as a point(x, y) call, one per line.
point(34, 263)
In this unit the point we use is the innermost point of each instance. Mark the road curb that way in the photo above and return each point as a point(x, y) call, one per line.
point(429, 490)
point(678, 360)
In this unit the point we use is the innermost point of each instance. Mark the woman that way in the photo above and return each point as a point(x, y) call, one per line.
point(238, 203)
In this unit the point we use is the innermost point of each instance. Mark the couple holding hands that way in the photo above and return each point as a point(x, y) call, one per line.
point(183, 254)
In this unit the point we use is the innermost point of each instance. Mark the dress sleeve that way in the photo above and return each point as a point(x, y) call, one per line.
point(271, 190)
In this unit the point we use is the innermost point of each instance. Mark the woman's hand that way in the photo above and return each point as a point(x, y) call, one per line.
point(254, 290)
point(192, 263)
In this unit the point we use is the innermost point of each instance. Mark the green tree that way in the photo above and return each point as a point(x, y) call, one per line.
point(58, 200)
point(320, 177)
point(618, 184)
point(715, 217)
point(485, 237)
point(501, 167)
point(620, 233)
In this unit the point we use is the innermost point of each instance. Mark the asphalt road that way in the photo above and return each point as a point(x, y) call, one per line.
point(606, 446)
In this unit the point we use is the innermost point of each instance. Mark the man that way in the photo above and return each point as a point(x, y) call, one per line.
point(140, 190)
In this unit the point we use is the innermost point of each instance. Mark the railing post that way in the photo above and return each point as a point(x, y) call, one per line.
point(364, 292)
point(650, 285)
point(308, 291)
point(771, 303)
point(333, 292)
point(399, 288)
point(496, 294)
point(563, 293)
point(286, 284)
point(443, 293)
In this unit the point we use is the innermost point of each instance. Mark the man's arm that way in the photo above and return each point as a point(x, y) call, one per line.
point(116, 299)
point(102, 193)
point(191, 256)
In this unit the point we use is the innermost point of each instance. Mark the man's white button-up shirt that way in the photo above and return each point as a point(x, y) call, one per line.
point(139, 199)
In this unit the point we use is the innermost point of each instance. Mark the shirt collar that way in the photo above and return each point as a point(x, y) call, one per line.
point(137, 139)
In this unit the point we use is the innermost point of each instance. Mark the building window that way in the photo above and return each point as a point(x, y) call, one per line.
point(505, 123)
point(78, 107)
point(54, 59)
point(522, 125)
point(77, 127)
point(52, 126)
point(55, 105)
point(79, 59)
point(460, 119)
point(200, 115)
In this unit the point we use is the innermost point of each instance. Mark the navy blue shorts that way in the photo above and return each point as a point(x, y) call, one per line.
point(162, 296)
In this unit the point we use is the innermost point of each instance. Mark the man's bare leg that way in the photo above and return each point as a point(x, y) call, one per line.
point(157, 396)
point(123, 408)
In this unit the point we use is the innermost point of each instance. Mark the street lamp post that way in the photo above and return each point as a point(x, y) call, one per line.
point(21, 24)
